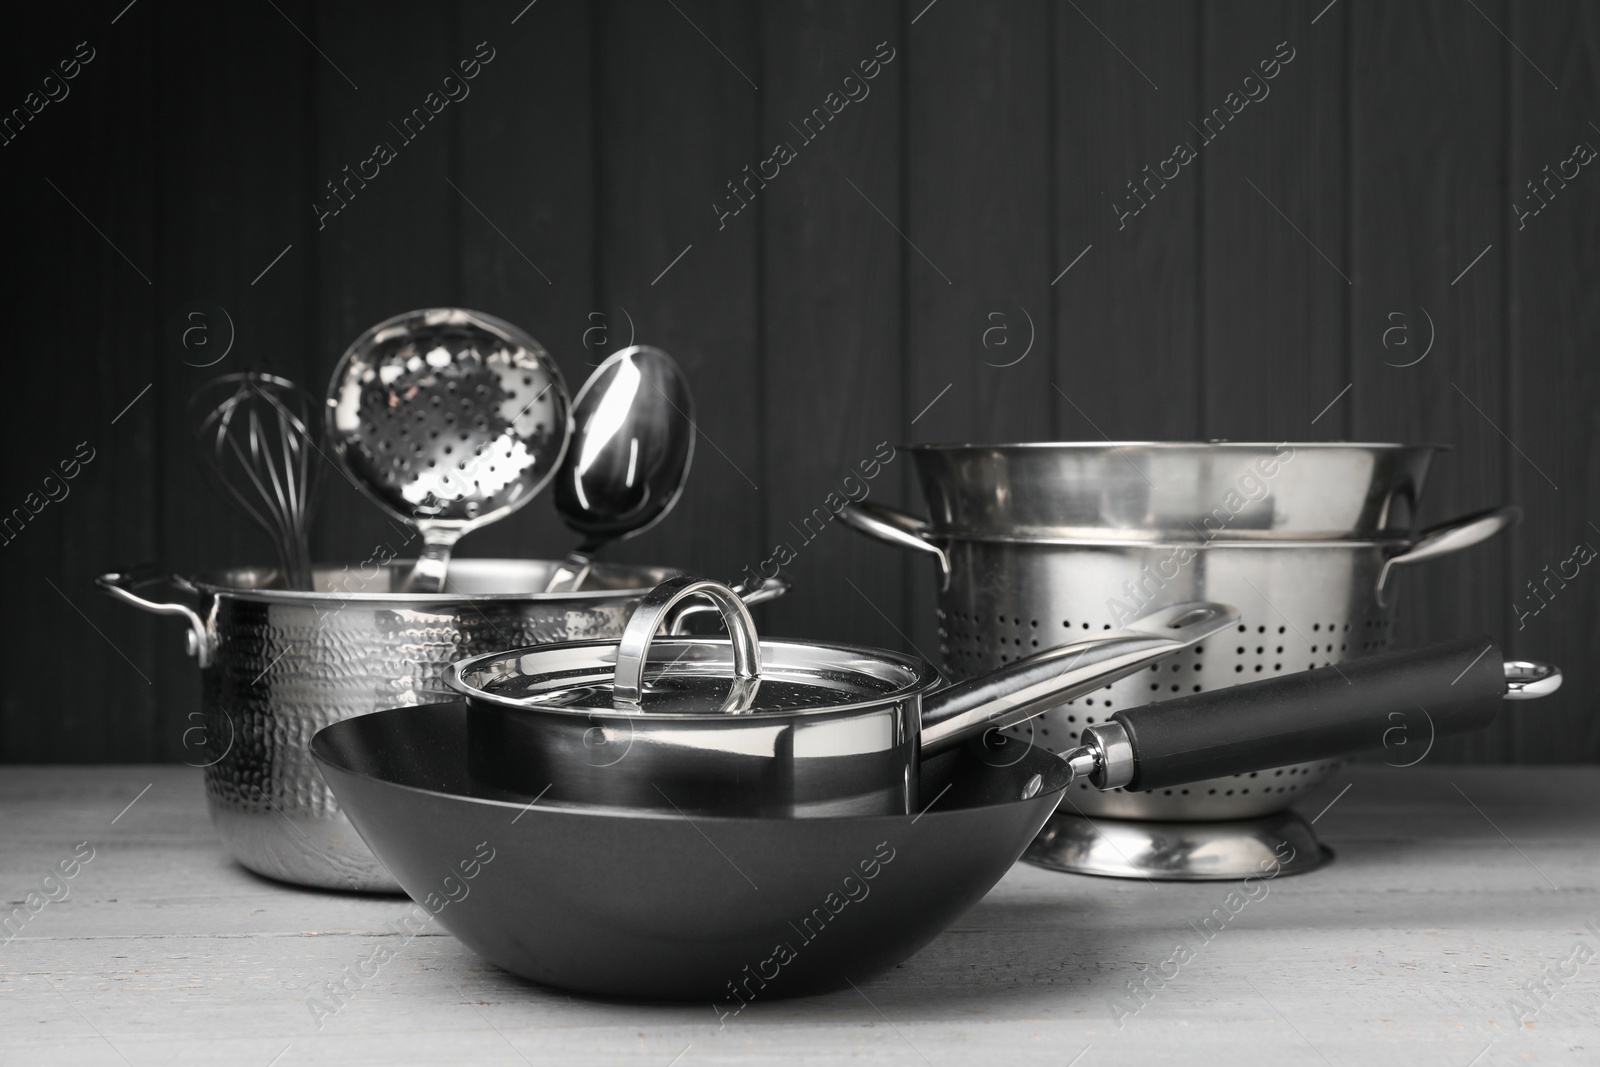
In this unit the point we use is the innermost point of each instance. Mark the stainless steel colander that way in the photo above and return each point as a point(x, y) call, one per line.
point(1311, 594)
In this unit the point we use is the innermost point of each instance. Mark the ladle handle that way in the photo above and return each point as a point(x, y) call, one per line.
point(1034, 685)
point(433, 561)
point(654, 609)
point(1398, 697)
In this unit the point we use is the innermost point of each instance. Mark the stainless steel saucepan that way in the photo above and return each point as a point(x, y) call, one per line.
point(741, 725)
point(277, 665)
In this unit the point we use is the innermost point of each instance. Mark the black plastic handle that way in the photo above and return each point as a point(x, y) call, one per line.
point(1319, 714)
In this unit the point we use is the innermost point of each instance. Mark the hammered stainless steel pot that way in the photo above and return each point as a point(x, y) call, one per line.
point(1304, 601)
point(277, 666)
point(737, 725)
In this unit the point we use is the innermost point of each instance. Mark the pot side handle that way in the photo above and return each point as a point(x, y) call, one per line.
point(130, 588)
point(897, 528)
point(1452, 536)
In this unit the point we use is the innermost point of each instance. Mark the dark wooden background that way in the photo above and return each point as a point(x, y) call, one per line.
point(854, 292)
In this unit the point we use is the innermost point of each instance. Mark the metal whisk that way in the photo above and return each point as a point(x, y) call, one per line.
point(258, 442)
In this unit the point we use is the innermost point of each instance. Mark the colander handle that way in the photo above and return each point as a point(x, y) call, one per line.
point(897, 528)
point(1380, 701)
point(130, 587)
point(1452, 536)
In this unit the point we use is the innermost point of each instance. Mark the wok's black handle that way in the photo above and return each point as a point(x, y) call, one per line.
point(1319, 714)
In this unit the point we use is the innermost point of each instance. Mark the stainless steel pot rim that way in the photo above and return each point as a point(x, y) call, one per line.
point(649, 577)
point(779, 658)
point(1175, 446)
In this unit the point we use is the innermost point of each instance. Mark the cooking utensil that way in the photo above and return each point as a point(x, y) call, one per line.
point(632, 443)
point(736, 909)
point(1303, 602)
point(256, 434)
point(277, 665)
point(739, 725)
point(448, 419)
point(1174, 490)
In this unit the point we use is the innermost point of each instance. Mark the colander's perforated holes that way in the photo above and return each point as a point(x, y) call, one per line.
point(1244, 629)
point(1211, 792)
point(1260, 649)
point(1255, 774)
point(1258, 668)
point(1155, 687)
point(1035, 642)
point(1033, 623)
point(1277, 666)
point(1240, 650)
point(1197, 689)
point(1072, 718)
point(1184, 792)
point(1261, 629)
point(1156, 667)
point(1175, 667)
point(1176, 688)
point(1316, 626)
point(1107, 626)
point(1229, 793)
point(1240, 668)
point(1280, 650)
point(1089, 719)
point(1197, 666)
point(1090, 702)
point(1280, 629)
point(1107, 703)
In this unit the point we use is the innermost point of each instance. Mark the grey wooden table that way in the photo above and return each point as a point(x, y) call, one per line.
point(1456, 891)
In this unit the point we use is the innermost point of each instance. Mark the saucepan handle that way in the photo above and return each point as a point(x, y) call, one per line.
point(897, 528)
point(1452, 536)
point(1313, 715)
point(1034, 685)
point(135, 586)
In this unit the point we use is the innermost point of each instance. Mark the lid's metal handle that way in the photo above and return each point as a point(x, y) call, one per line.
point(656, 608)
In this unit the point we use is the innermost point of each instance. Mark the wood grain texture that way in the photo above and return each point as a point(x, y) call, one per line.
point(821, 319)
point(1552, 429)
point(1275, 276)
point(83, 228)
point(831, 313)
point(1127, 317)
point(392, 244)
point(979, 205)
point(527, 237)
point(678, 114)
point(1407, 949)
point(1427, 341)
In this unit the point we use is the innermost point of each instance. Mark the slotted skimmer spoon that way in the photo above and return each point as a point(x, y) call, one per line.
point(632, 443)
point(449, 419)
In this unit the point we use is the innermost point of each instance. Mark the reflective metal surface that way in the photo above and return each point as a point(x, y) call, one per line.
point(1301, 604)
point(639, 904)
point(823, 730)
point(1159, 490)
point(448, 419)
point(632, 444)
point(276, 666)
point(1267, 847)
point(257, 433)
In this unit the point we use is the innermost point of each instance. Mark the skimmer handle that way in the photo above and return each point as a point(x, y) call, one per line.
point(654, 609)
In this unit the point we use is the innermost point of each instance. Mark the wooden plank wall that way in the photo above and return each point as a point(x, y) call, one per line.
point(931, 224)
